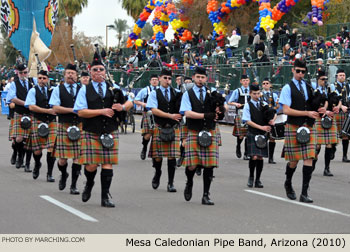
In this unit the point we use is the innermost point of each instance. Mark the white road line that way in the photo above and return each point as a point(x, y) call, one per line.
point(69, 209)
point(299, 203)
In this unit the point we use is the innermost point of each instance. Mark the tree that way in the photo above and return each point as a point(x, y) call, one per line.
point(120, 26)
point(133, 7)
point(147, 31)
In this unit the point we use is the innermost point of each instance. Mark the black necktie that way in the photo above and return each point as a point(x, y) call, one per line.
point(301, 89)
point(43, 91)
point(100, 90)
point(71, 91)
point(268, 94)
point(245, 90)
point(25, 86)
point(166, 95)
point(201, 99)
point(258, 105)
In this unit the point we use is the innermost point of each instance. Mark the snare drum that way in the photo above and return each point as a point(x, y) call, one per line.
point(346, 127)
point(277, 131)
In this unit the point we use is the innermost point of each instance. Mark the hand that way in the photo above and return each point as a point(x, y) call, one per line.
point(272, 122)
point(321, 110)
point(176, 117)
point(238, 105)
point(336, 110)
point(266, 128)
point(210, 116)
point(107, 112)
point(344, 108)
point(330, 114)
point(51, 112)
point(312, 114)
point(118, 107)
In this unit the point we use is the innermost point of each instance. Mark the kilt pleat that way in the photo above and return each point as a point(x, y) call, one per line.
point(295, 151)
point(198, 155)
point(17, 129)
point(65, 148)
point(326, 136)
point(183, 132)
point(12, 122)
point(145, 125)
point(92, 151)
point(238, 130)
point(252, 149)
point(218, 134)
point(340, 119)
point(164, 149)
point(40, 143)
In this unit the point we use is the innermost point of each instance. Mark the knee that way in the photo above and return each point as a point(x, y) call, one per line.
point(91, 168)
point(62, 161)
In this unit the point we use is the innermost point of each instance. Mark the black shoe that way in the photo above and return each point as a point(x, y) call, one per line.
point(13, 159)
point(245, 157)
point(50, 178)
point(62, 182)
point(27, 168)
point(171, 188)
point(198, 171)
point(207, 201)
point(180, 161)
point(107, 203)
point(345, 159)
point(258, 184)
point(85, 196)
point(238, 152)
point(250, 182)
point(155, 180)
point(74, 191)
point(143, 154)
point(305, 199)
point(289, 191)
point(36, 171)
point(188, 191)
point(271, 161)
point(327, 172)
point(19, 163)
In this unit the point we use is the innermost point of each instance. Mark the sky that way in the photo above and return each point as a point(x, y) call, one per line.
point(99, 13)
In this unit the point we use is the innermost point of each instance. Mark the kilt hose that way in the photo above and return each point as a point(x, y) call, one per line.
point(145, 125)
point(65, 148)
point(161, 149)
point(196, 155)
point(92, 151)
point(295, 151)
point(238, 130)
point(252, 149)
point(326, 136)
point(17, 129)
point(340, 119)
point(40, 143)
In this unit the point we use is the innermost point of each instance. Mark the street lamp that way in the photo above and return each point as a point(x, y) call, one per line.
point(107, 26)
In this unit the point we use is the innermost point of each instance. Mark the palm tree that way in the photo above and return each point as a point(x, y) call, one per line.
point(133, 7)
point(147, 31)
point(69, 9)
point(120, 26)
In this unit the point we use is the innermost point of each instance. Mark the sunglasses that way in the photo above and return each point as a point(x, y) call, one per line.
point(22, 72)
point(300, 71)
point(42, 78)
point(324, 79)
point(166, 78)
point(98, 69)
point(266, 83)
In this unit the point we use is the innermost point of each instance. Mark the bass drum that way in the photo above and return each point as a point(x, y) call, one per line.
point(277, 131)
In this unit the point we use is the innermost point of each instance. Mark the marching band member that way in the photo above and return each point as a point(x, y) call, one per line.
point(84, 78)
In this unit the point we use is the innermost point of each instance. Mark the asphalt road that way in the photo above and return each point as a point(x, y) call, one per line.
point(29, 206)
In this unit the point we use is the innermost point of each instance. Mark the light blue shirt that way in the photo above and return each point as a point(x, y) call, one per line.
point(12, 92)
point(55, 96)
point(246, 110)
point(185, 101)
point(235, 94)
point(31, 97)
point(144, 92)
point(152, 101)
point(333, 88)
point(286, 95)
point(81, 102)
point(322, 90)
point(274, 95)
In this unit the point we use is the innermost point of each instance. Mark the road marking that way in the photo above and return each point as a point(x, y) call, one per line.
point(68, 208)
point(299, 203)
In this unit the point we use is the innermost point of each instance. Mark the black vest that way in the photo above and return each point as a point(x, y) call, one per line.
point(299, 103)
point(21, 94)
point(343, 91)
point(167, 107)
point(68, 101)
point(42, 102)
point(99, 124)
point(269, 99)
point(257, 117)
point(241, 98)
point(197, 106)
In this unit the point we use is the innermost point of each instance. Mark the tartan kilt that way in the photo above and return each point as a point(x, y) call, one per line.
point(160, 149)
point(145, 125)
point(92, 151)
point(238, 130)
point(198, 155)
point(295, 151)
point(17, 129)
point(12, 122)
point(65, 148)
point(40, 143)
point(340, 119)
point(326, 136)
point(218, 134)
point(252, 149)
point(183, 132)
